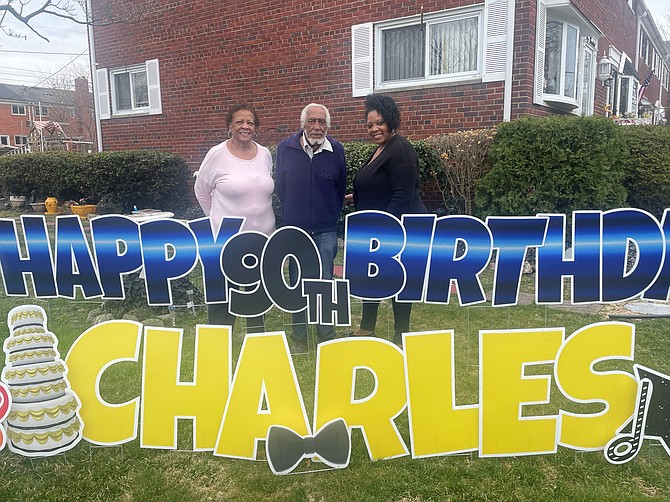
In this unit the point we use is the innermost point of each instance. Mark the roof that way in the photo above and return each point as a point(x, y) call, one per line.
point(24, 94)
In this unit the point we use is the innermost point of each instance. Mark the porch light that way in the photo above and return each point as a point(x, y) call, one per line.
point(604, 70)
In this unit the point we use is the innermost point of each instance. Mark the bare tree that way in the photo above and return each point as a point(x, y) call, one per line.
point(26, 11)
point(76, 112)
point(663, 25)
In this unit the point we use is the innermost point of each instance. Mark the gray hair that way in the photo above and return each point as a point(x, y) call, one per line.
point(303, 114)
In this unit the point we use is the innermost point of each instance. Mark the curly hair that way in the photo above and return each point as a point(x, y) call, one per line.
point(386, 107)
point(242, 106)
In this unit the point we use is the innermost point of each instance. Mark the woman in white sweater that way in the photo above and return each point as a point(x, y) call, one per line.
point(235, 179)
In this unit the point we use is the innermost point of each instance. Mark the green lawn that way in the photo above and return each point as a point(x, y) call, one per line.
point(129, 473)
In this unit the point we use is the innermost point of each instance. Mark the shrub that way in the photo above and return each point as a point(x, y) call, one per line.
point(464, 160)
point(144, 179)
point(43, 173)
point(648, 169)
point(554, 165)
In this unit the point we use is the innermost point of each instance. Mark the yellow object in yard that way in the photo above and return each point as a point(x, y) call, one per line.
point(83, 210)
point(51, 203)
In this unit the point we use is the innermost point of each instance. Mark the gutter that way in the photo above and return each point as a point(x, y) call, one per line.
point(507, 96)
point(93, 64)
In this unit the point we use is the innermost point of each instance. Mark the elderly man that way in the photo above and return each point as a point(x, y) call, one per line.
point(311, 181)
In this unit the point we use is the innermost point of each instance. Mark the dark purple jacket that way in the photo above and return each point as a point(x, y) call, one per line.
point(311, 190)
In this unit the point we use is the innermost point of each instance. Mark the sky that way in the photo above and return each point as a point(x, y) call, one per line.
point(27, 61)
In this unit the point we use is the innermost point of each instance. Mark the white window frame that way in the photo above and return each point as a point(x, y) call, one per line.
point(105, 91)
point(630, 98)
point(4, 139)
point(132, 71)
point(36, 110)
point(494, 48)
point(429, 21)
point(560, 94)
point(587, 35)
point(16, 109)
point(645, 44)
point(23, 140)
point(587, 100)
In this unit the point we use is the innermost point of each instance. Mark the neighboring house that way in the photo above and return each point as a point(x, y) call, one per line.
point(167, 81)
point(31, 116)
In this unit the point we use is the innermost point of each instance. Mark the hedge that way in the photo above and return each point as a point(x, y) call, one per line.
point(556, 164)
point(648, 168)
point(144, 179)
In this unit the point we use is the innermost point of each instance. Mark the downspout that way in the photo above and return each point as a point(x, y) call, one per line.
point(91, 56)
point(507, 97)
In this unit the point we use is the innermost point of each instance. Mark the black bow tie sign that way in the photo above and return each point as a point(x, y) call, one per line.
point(285, 449)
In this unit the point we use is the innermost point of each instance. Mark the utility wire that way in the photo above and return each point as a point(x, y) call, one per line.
point(19, 94)
point(44, 53)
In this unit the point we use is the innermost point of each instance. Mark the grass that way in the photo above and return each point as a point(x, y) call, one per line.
point(130, 473)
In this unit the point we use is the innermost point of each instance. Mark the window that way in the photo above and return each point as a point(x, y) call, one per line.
point(644, 47)
point(565, 58)
point(588, 77)
point(20, 140)
point(131, 90)
point(434, 50)
point(560, 60)
point(4, 140)
point(455, 46)
point(18, 110)
point(625, 88)
point(41, 111)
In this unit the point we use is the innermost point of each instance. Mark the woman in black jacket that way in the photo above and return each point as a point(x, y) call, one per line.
point(388, 181)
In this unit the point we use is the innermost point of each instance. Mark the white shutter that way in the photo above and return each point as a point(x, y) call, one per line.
point(498, 38)
point(154, 85)
point(102, 96)
point(361, 59)
point(540, 36)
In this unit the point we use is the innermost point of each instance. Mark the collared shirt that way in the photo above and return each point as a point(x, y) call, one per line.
point(308, 148)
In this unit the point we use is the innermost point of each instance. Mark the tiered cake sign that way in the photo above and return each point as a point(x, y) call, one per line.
point(44, 415)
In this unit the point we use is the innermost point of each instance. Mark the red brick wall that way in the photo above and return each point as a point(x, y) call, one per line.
point(619, 25)
point(11, 125)
point(280, 56)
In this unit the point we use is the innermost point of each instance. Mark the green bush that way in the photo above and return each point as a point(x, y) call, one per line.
point(145, 179)
point(648, 169)
point(43, 173)
point(554, 165)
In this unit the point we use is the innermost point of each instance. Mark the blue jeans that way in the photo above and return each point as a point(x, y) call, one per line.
point(326, 243)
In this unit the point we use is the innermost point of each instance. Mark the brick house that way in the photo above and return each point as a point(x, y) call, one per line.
point(166, 82)
point(22, 108)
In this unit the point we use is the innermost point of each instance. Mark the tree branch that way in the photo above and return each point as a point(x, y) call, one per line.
point(66, 9)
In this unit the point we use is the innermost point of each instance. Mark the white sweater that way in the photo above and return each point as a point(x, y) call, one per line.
point(229, 186)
